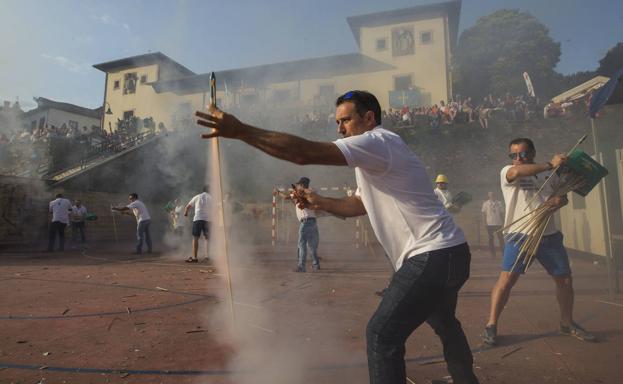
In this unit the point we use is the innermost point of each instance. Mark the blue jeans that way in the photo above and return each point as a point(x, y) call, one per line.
point(308, 235)
point(142, 232)
point(425, 288)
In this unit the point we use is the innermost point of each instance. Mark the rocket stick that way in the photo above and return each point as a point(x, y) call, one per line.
point(217, 169)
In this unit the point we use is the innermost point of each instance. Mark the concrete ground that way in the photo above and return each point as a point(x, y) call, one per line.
point(101, 315)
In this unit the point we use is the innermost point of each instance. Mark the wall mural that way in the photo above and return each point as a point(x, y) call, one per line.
point(129, 83)
point(403, 41)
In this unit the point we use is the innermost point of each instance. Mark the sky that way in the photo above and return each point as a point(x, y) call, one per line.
point(48, 48)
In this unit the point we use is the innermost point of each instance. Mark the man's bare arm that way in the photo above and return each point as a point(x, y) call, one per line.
point(345, 207)
point(277, 144)
point(523, 170)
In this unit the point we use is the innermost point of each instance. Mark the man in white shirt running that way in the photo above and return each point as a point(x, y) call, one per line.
point(143, 222)
point(202, 203)
point(59, 208)
point(426, 248)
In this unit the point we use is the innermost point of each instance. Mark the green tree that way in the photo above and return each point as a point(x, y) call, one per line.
point(612, 61)
point(492, 55)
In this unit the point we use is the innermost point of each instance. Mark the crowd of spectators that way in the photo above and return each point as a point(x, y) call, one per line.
point(568, 107)
point(28, 150)
point(462, 111)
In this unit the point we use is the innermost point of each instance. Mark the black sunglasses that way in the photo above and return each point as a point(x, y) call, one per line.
point(522, 154)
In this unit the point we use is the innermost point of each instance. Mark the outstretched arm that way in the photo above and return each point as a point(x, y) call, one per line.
point(345, 207)
point(277, 144)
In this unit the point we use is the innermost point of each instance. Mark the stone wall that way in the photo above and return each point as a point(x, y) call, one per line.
point(24, 212)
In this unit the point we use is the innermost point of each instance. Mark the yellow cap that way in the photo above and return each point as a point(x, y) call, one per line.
point(441, 179)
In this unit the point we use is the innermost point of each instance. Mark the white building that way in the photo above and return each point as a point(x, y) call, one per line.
point(58, 114)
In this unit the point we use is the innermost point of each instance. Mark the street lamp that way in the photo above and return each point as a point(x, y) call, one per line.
point(108, 112)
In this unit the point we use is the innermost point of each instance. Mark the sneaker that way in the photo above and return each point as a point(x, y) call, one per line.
point(315, 269)
point(491, 334)
point(299, 269)
point(578, 332)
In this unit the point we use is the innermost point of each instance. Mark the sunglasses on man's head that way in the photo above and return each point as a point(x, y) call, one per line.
point(522, 155)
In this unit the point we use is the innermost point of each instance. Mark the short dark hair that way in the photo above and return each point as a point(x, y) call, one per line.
point(523, 140)
point(364, 101)
point(59, 195)
point(206, 188)
point(134, 195)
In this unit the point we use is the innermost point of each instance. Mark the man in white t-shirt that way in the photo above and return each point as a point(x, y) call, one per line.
point(143, 222)
point(59, 208)
point(78, 214)
point(202, 203)
point(308, 233)
point(426, 248)
point(519, 182)
point(441, 190)
point(493, 217)
point(177, 217)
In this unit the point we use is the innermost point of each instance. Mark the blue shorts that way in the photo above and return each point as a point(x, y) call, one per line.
point(551, 254)
point(200, 226)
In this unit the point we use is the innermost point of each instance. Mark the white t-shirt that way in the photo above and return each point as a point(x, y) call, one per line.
point(444, 196)
point(304, 213)
point(517, 195)
point(178, 220)
point(59, 208)
point(78, 213)
point(493, 211)
point(203, 206)
point(140, 210)
point(395, 189)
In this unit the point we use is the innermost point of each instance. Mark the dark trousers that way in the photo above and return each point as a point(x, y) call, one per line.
point(491, 231)
point(142, 233)
point(78, 227)
point(425, 288)
point(56, 227)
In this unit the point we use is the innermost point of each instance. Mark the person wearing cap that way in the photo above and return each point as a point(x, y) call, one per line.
point(143, 222)
point(442, 192)
point(426, 248)
point(308, 233)
point(202, 204)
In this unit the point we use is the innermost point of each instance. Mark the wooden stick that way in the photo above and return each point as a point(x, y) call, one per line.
point(538, 242)
point(217, 158)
